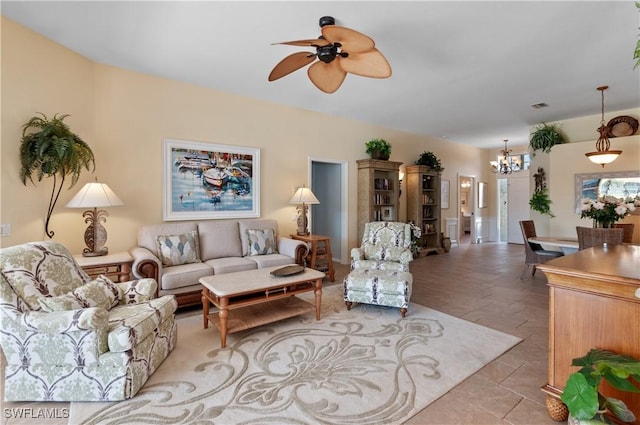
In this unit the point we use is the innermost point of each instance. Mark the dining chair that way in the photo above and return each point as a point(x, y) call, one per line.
point(596, 236)
point(627, 236)
point(534, 253)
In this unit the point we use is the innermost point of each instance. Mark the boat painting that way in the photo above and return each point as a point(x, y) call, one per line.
point(204, 181)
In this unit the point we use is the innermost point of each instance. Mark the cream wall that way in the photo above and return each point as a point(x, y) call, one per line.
point(38, 76)
point(124, 117)
point(567, 160)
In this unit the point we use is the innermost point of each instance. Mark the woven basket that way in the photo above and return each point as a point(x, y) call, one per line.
point(557, 409)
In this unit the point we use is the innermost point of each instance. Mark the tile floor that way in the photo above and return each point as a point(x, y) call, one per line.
point(480, 283)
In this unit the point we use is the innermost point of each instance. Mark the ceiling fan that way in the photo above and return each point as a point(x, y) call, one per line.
point(339, 51)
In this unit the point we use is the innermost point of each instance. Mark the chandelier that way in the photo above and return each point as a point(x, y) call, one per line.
point(603, 155)
point(507, 164)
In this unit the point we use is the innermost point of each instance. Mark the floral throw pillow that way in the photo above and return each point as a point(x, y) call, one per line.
point(175, 250)
point(101, 292)
point(262, 242)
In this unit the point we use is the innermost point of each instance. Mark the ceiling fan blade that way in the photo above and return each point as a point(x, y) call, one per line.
point(351, 40)
point(368, 64)
point(328, 77)
point(291, 63)
point(314, 42)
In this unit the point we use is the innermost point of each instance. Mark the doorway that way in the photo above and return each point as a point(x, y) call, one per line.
point(329, 218)
point(466, 210)
point(513, 194)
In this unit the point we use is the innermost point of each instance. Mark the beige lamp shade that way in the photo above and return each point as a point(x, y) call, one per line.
point(95, 195)
point(302, 198)
point(303, 195)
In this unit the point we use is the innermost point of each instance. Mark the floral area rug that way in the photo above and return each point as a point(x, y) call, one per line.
point(363, 366)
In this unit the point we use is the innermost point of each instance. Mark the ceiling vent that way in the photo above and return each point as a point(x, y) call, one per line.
point(539, 105)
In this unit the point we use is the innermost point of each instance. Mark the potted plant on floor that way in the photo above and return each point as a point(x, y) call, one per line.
point(581, 393)
point(53, 150)
point(378, 149)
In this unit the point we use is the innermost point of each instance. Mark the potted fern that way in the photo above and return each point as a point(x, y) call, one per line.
point(581, 394)
point(50, 149)
point(544, 137)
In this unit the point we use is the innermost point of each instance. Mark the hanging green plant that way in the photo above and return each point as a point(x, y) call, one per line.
point(540, 202)
point(636, 54)
point(544, 137)
point(52, 151)
point(430, 160)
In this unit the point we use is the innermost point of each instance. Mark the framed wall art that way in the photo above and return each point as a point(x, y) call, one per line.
point(210, 181)
point(621, 184)
point(387, 213)
point(444, 194)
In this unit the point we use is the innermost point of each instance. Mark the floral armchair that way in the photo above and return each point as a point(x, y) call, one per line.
point(385, 246)
point(67, 337)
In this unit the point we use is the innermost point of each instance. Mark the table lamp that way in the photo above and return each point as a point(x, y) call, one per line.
point(95, 195)
point(302, 198)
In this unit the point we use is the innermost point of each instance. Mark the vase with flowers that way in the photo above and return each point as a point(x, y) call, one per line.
point(606, 210)
point(416, 234)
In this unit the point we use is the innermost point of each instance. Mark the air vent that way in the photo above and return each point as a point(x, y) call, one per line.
point(539, 105)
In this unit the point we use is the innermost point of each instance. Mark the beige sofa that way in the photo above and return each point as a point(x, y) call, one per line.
point(178, 254)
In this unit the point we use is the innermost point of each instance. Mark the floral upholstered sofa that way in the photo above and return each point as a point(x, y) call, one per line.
point(67, 337)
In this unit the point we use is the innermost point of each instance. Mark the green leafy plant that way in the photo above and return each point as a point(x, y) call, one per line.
point(52, 150)
point(544, 137)
point(540, 202)
point(430, 160)
point(636, 54)
point(378, 148)
point(581, 393)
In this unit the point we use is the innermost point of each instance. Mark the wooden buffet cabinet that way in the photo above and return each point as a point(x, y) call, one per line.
point(594, 302)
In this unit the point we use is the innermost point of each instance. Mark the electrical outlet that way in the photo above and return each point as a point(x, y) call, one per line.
point(5, 230)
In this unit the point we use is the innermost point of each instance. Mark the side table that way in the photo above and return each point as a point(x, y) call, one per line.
point(319, 257)
point(116, 265)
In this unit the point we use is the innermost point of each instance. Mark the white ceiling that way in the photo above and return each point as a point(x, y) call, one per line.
point(466, 71)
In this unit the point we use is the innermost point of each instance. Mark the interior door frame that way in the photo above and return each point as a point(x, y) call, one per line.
point(344, 200)
point(472, 201)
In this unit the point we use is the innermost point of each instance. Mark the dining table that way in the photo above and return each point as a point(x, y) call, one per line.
point(565, 244)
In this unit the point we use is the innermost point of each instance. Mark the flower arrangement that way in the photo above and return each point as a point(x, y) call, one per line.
point(416, 233)
point(606, 210)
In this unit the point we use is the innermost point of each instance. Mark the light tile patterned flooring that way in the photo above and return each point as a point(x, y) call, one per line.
point(480, 283)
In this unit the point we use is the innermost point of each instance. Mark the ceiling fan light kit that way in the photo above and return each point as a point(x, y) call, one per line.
point(603, 155)
point(339, 51)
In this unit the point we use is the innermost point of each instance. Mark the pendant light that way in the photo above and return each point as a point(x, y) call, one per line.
point(603, 155)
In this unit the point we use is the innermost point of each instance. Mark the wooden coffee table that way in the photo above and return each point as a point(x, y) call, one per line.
point(257, 298)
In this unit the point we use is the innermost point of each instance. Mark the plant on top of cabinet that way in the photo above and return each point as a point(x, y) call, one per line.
point(52, 151)
point(430, 160)
point(378, 149)
point(544, 137)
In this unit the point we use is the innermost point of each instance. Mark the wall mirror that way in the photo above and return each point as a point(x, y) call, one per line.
point(619, 184)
